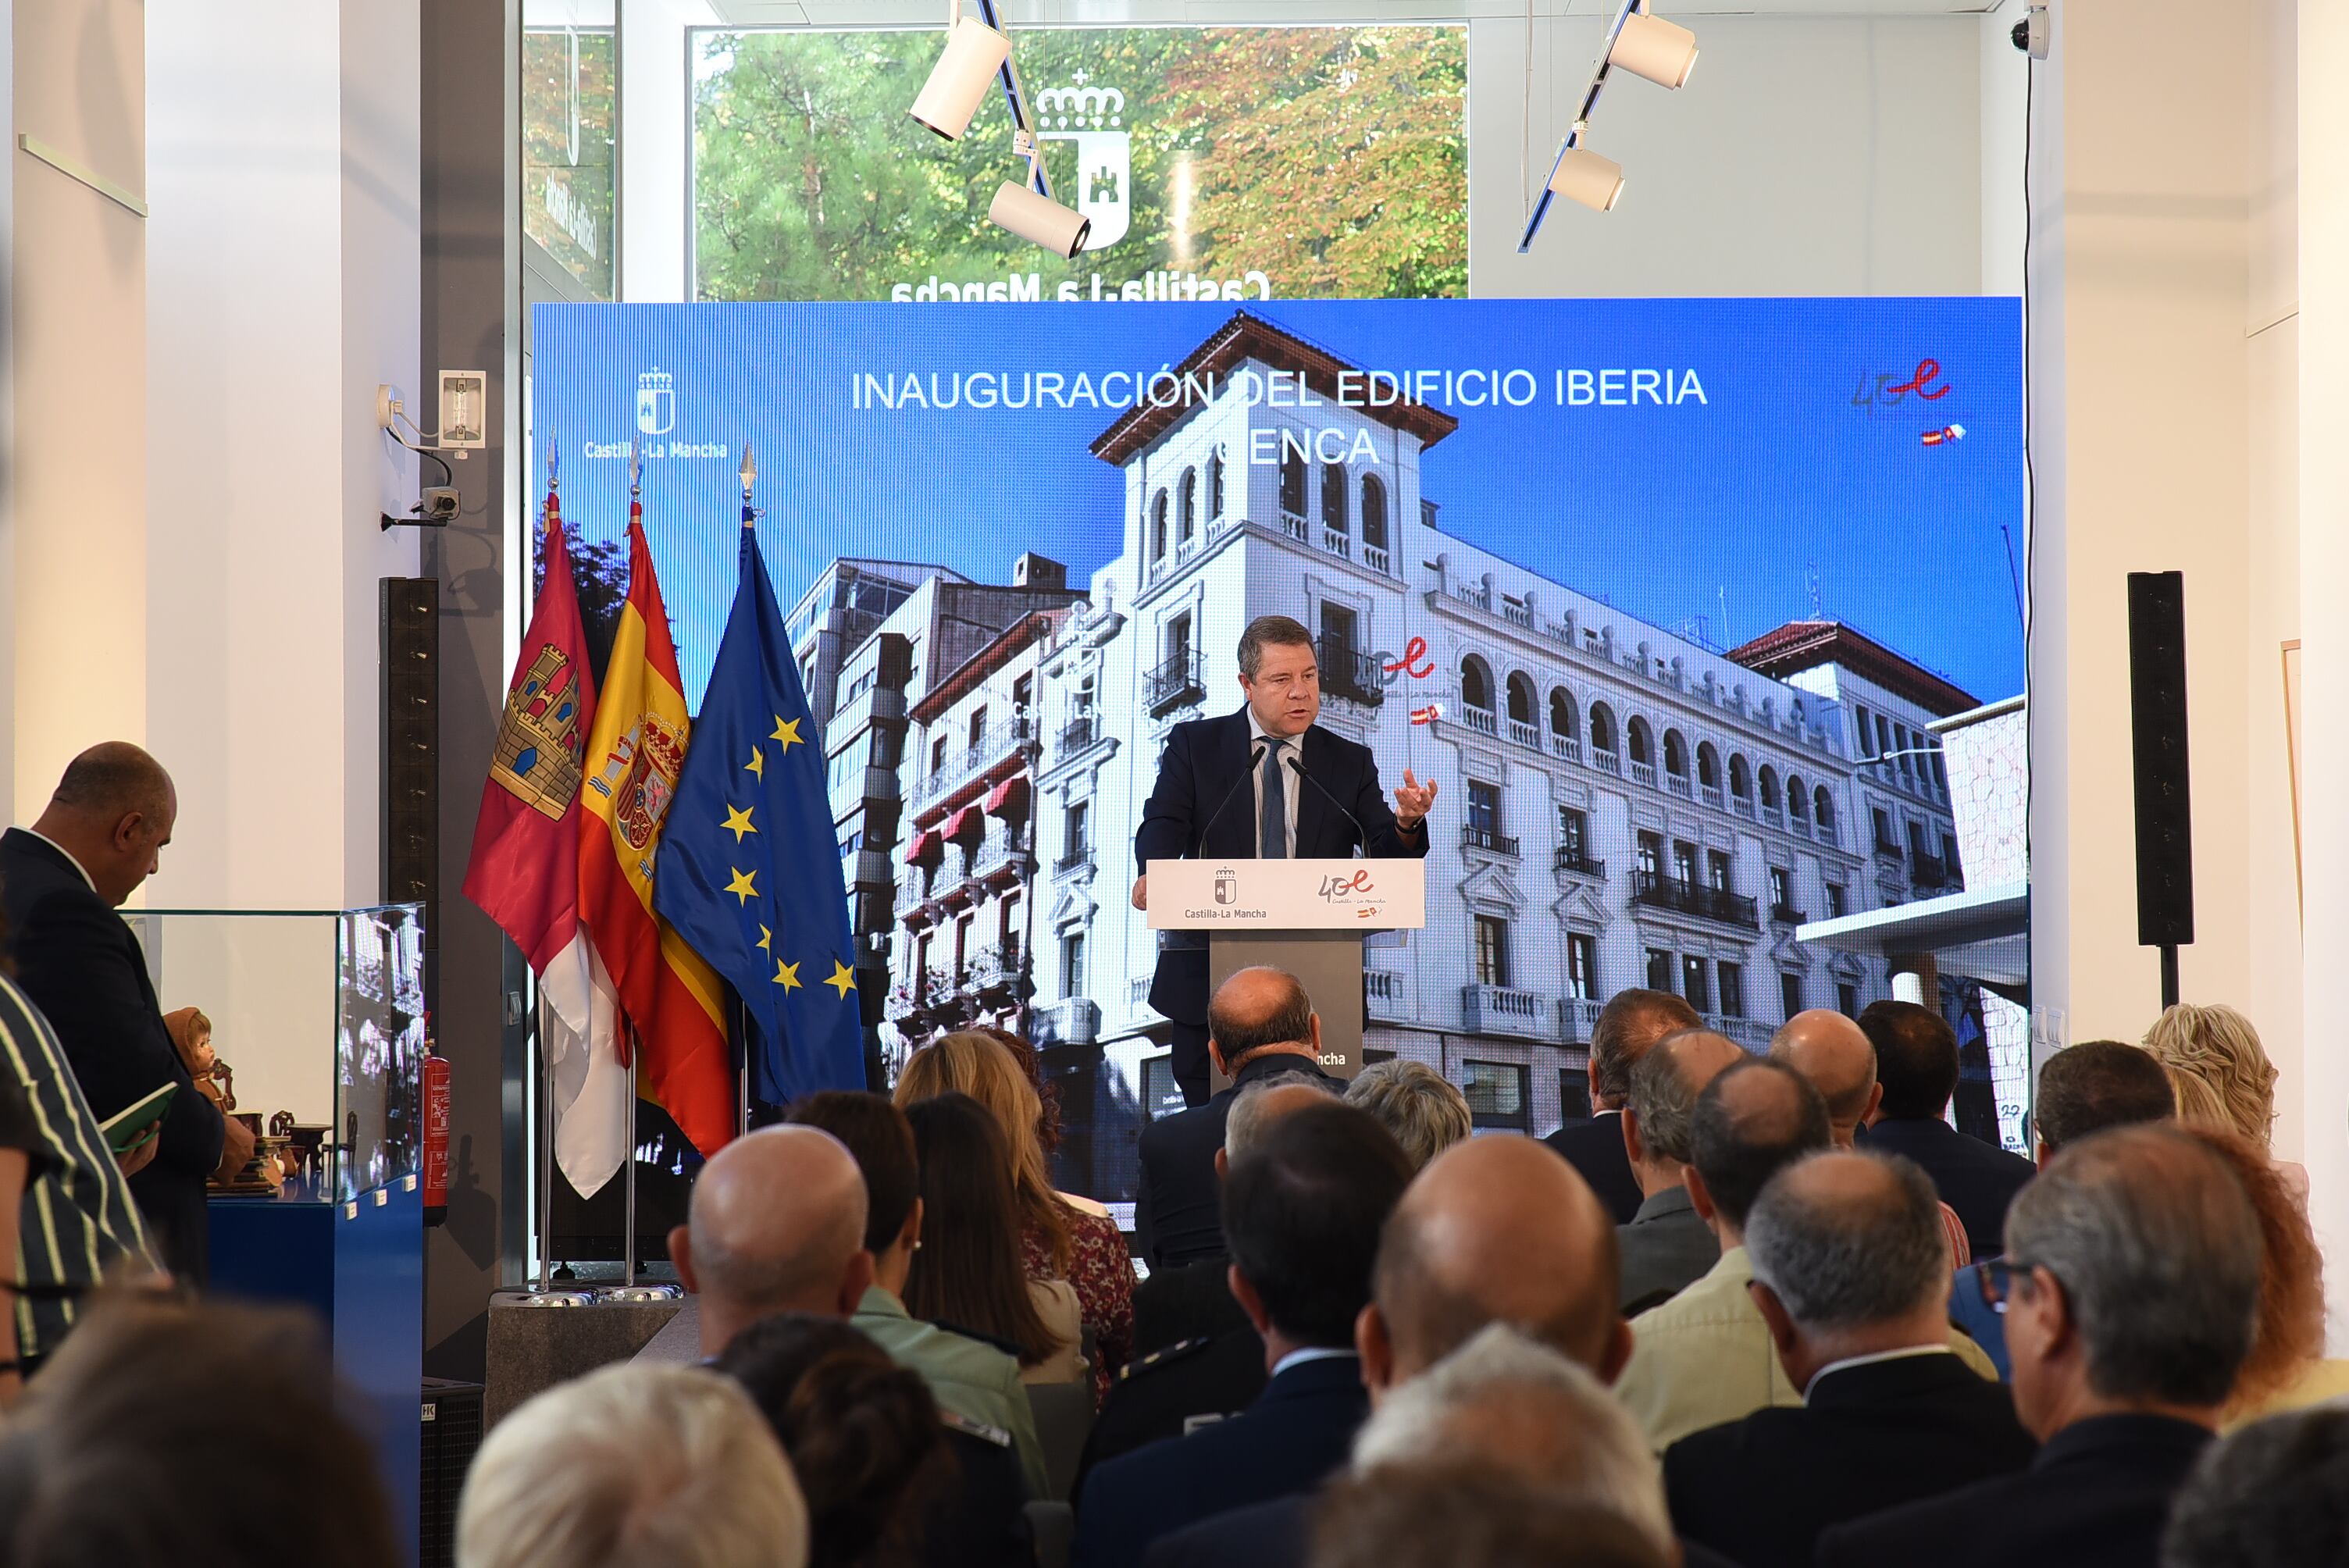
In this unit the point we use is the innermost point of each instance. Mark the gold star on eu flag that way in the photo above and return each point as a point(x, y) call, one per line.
point(737, 821)
point(787, 975)
point(787, 730)
point(843, 979)
point(743, 887)
point(757, 766)
point(765, 936)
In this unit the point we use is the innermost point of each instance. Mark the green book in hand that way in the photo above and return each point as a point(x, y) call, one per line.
point(126, 1127)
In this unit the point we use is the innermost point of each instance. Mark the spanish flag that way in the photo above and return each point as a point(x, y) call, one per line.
point(635, 756)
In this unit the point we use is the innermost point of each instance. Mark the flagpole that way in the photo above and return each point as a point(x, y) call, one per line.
point(538, 1014)
point(741, 1018)
point(636, 1045)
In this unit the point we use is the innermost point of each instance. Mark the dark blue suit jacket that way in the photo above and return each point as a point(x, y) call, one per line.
point(1279, 1534)
point(1595, 1148)
point(1978, 1180)
point(1298, 1430)
point(81, 966)
point(2097, 1497)
point(1204, 774)
point(1178, 1213)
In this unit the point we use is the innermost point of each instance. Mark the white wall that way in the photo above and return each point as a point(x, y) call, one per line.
point(283, 287)
point(76, 534)
point(656, 262)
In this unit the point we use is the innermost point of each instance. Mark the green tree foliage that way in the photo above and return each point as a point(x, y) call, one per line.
point(1332, 159)
point(567, 148)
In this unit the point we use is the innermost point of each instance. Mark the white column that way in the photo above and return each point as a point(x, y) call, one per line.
point(283, 286)
point(2324, 502)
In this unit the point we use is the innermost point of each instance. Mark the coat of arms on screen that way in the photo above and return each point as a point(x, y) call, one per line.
point(539, 741)
point(1093, 117)
point(653, 756)
point(655, 402)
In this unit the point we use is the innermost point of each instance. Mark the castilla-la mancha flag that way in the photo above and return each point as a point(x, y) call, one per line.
point(524, 869)
point(674, 1000)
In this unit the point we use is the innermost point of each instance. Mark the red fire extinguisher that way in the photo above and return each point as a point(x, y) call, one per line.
point(436, 1136)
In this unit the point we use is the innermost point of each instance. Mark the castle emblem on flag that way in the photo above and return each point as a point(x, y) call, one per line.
point(538, 753)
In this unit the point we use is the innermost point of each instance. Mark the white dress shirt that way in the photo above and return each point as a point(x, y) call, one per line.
point(1290, 784)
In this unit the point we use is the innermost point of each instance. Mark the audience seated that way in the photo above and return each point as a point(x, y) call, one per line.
point(1060, 1239)
point(1850, 1271)
point(1208, 1360)
point(1425, 1110)
point(966, 1273)
point(2084, 1089)
point(862, 1434)
point(1917, 1063)
point(1303, 1208)
point(992, 1431)
point(1448, 1514)
point(1836, 1054)
point(1259, 1022)
point(1631, 1021)
point(1494, 1230)
point(2132, 1269)
point(776, 1224)
point(2221, 1074)
point(1667, 1247)
point(2274, 1494)
point(628, 1466)
point(1705, 1357)
point(161, 1433)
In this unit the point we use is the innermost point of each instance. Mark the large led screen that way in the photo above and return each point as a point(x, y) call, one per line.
point(1676, 601)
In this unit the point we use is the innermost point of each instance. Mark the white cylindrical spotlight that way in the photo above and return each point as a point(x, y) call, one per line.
point(1664, 52)
point(1040, 218)
point(975, 52)
point(1588, 178)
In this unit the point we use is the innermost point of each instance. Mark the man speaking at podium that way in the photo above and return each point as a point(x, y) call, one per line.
point(1261, 782)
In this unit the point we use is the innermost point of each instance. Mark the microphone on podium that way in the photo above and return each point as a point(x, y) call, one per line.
point(1256, 761)
point(1298, 767)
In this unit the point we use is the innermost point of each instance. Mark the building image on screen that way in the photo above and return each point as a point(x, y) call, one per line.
point(1814, 813)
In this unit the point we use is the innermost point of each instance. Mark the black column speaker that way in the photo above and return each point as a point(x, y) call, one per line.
point(411, 744)
point(2165, 817)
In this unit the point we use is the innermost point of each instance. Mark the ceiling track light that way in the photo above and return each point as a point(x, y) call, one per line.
point(1646, 45)
point(1029, 209)
point(974, 56)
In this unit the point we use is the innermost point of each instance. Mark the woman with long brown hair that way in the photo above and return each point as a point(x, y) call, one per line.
point(967, 1273)
point(1057, 1240)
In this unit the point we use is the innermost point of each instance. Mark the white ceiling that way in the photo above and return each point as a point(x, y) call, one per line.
point(1233, 13)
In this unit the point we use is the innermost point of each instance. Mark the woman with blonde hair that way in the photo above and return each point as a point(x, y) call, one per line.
point(1057, 1241)
point(2218, 1067)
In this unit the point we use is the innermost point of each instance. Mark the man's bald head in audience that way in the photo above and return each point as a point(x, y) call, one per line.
point(777, 1225)
point(1495, 1230)
point(1840, 1059)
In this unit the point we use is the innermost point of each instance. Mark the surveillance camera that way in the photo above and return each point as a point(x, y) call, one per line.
point(2030, 34)
point(440, 504)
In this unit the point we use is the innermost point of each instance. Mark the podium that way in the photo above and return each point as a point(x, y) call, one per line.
point(1307, 916)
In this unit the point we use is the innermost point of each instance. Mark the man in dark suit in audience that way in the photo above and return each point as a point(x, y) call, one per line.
point(1303, 1211)
point(62, 879)
point(1917, 1063)
point(2132, 1274)
point(1668, 1246)
point(1197, 1356)
point(1494, 1230)
point(2084, 1089)
point(1849, 1265)
point(1633, 1021)
point(1260, 1024)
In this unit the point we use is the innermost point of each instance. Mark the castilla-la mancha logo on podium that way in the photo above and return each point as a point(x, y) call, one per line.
point(1094, 119)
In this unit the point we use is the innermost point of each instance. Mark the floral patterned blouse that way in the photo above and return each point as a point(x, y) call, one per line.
point(1100, 1268)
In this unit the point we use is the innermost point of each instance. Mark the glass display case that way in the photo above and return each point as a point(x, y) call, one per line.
point(318, 1021)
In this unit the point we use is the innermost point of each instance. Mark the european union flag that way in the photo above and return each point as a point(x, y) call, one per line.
point(749, 871)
